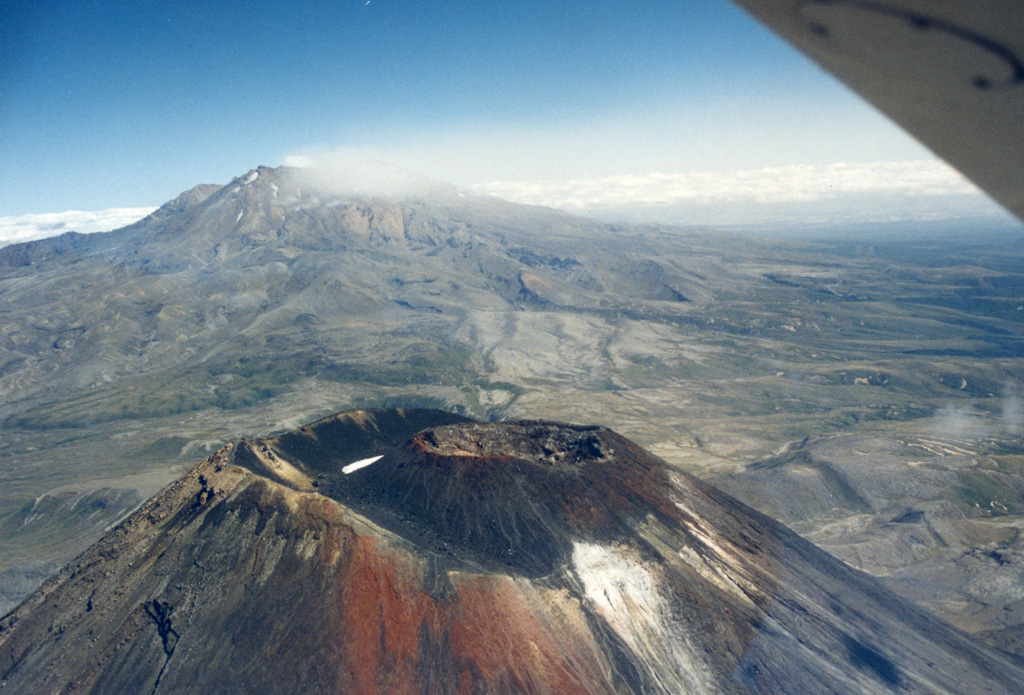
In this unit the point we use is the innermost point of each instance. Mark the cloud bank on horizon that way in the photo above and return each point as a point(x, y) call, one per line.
point(21, 228)
point(804, 195)
point(796, 194)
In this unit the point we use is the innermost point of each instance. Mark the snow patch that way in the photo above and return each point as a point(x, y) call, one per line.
point(250, 177)
point(361, 463)
point(628, 594)
point(716, 576)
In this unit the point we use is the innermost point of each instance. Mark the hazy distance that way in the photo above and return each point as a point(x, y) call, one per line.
point(796, 199)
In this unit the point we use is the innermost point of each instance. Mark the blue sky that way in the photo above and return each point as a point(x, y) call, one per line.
point(116, 104)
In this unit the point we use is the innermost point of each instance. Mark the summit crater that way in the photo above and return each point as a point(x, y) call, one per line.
point(507, 495)
point(541, 443)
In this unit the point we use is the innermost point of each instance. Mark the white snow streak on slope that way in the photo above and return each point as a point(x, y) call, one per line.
point(627, 594)
point(361, 463)
point(726, 573)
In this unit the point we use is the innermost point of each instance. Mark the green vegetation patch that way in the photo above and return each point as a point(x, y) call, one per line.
point(1009, 463)
point(488, 385)
point(45, 525)
point(987, 493)
point(245, 381)
point(163, 449)
point(437, 364)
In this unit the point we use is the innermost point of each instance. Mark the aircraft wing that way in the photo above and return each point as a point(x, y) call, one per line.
point(950, 72)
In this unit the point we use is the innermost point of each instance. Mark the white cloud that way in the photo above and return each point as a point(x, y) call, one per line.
point(1012, 418)
point(21, 228)
point(358, 170)
point(795, 183)
point(961, 422)
point(805, 194)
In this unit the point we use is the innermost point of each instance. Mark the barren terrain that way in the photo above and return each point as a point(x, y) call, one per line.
point(866, 392)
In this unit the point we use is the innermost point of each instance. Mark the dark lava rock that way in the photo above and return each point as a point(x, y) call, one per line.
point(512, 496)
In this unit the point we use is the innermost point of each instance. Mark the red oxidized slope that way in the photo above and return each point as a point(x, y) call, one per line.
point(501, 635)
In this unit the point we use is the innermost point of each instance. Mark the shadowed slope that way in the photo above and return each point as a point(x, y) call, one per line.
point(513, 496)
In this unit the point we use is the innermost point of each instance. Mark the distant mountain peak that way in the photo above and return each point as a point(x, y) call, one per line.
point(268, 208)
point(189, 199)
